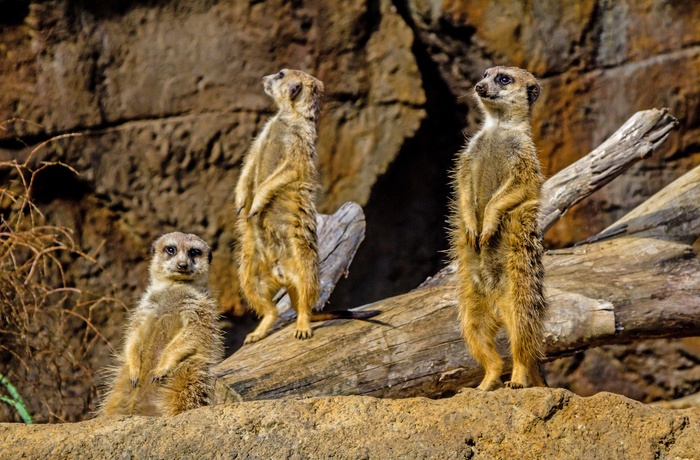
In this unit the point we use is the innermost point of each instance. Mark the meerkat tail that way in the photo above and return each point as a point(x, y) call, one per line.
point(344, 314)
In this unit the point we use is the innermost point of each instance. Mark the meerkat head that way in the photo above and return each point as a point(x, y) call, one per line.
point(507, 92)
point(180, 257)
point(296, 91)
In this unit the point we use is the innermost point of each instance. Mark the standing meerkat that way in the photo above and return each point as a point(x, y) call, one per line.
point(172, 339)
point(495, 238)
point(275, 196)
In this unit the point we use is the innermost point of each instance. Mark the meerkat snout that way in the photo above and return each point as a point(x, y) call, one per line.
point(481, 89)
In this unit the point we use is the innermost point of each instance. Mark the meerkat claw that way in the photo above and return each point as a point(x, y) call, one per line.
point(303, 335)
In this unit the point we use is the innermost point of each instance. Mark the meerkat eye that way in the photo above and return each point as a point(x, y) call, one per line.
point(195, 253)
point(171, 250)
point(503, 80)
point(485, 75)
point(280, 75)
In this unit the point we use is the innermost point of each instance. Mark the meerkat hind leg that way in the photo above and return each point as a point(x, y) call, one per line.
point(525, 355)
point(259, 297)
point(479, 327)
point(301, 280)
point(300, 302)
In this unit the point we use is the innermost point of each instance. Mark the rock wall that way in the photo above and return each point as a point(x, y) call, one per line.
point(167, 97)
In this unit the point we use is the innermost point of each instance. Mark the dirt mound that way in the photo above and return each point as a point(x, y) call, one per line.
point(532, 423)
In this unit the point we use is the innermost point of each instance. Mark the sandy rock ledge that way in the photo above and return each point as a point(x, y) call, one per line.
point(532, 423)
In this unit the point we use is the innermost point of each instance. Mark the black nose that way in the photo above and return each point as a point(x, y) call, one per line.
point(480, 89)
point(182, 266)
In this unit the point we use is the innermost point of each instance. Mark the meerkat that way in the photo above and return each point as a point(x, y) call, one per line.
point(495, 238)
point(274, 200)
point(172, 339)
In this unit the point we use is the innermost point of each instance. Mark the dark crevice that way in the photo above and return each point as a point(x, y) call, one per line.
point(462, 34)
point(407, 210)
point(369, 23)
point(58, 182)
point(13, 12)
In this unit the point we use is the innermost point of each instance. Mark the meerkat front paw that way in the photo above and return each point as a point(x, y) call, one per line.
point(472, 238)
point(134, 377)
point(485, 238)
point(159, 374)
point(471, 231)
point(240, 205)
point(255, 208)
point(487, 233)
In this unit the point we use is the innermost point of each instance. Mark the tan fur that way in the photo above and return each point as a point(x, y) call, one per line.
point(172, 340)
point(275, 203)
point(495, 239)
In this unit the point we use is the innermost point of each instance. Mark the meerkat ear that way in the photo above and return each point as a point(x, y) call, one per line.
point(318, 93)
point(210, 256)
point(533, 92)
point(153, 248)
point(294, 89)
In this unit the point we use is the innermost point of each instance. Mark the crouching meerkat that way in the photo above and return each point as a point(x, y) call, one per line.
point(172, 339)
point(275, 195)
point(495, 238)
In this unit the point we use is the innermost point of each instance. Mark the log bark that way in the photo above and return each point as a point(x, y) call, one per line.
point(685, 402)
point(638, 279)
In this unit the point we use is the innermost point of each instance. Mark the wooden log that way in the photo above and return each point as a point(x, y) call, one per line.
point(605, 291)
point(685, 402)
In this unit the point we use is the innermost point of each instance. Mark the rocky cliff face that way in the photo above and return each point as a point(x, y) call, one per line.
point(167, 97)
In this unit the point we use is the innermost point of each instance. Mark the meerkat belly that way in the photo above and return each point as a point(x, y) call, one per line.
point(488, 174)
point(279, 222)
point(164, 329)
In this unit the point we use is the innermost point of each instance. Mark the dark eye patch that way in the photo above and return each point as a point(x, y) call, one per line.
point(280, 75)
point(171, 250)
point(503, 79)
point(194, 252)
